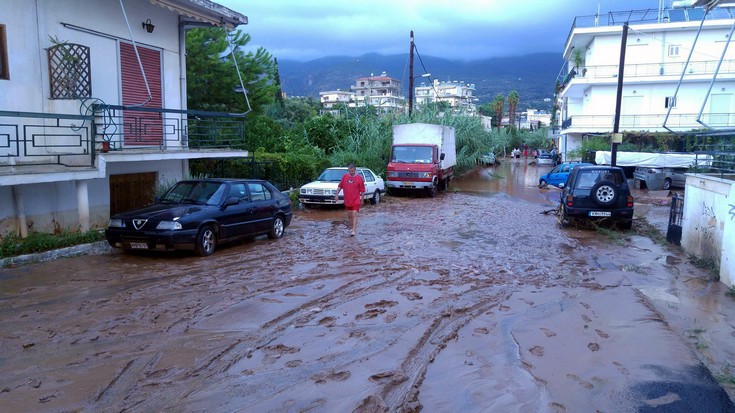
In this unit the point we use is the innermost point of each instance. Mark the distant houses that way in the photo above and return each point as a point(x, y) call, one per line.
point(384, 93)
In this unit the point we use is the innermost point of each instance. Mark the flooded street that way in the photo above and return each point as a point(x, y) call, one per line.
point(473, 301)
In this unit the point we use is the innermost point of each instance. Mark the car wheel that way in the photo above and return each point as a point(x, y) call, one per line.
point(604, 193)
point(206, 241)
point(542, 183)
point(432, 191)
point(667, 184)
point(564, 219)
point(276, 228)
point(625, 223)
point(376, 197)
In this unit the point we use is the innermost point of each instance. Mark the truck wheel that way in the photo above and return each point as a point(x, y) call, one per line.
point(432, 190)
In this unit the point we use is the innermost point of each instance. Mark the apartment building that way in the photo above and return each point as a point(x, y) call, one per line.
point(458, 95)
point(93, 112)
point(659, 45)
point(330, 99)
point(382, 92)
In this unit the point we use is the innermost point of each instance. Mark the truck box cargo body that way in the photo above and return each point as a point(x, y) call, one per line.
point(422, 158)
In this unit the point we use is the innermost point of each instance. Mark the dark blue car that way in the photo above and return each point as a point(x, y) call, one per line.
point(559, 174)
point(197, 215)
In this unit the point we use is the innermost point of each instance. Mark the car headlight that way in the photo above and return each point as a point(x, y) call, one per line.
point(169, 225)
point(116, 223)
point(392, 174)
point(424, 174)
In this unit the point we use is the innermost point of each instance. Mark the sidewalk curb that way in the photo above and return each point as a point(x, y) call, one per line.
point(99, 247)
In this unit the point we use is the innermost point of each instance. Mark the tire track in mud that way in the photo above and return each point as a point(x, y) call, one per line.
point(401, 392)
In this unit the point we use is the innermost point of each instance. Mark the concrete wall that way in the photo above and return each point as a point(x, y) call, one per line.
point(708, 227)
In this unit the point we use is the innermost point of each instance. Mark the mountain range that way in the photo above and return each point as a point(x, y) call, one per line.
point(532, 76)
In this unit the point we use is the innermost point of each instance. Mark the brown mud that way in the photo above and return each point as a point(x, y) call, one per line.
point(474, 300)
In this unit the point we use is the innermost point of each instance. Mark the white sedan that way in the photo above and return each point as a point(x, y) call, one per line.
point(321, 191)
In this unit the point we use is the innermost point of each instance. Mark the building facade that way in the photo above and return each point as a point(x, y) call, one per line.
point(458, 95)
point(93, 107)
point(332, 98)
point(660, 91)
point(382, 92)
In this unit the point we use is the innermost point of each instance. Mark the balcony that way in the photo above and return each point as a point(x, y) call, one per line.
point(44, 143)
point(650, 72)
point(650, 122)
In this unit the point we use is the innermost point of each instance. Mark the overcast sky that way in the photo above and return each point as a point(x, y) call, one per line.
point(457, 29)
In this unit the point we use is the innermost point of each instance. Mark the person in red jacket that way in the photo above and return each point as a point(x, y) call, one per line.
point(354, 187)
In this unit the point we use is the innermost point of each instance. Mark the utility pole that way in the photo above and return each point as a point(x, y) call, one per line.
point(410, 77)
point(616, 138)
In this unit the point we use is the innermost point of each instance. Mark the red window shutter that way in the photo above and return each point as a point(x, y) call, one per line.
point(141, 128)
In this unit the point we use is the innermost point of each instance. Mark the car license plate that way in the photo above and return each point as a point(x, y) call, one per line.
point(408, 183)
point(600, 213)
point(139, 245)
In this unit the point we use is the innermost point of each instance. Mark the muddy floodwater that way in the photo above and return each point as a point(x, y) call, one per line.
point(473, 301)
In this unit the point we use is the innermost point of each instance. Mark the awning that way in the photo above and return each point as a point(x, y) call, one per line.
point(205, 11)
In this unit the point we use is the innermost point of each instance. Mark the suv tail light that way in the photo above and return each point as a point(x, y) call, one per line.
point(630, 201)
point(570, 200)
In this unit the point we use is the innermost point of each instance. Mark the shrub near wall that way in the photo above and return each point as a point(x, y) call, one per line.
point(285, 170)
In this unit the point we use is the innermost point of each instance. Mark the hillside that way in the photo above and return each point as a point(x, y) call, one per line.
point(533, 76)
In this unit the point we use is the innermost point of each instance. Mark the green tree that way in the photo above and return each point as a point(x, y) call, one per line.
point(212, 78)
point(498, 104)
point(513, 99)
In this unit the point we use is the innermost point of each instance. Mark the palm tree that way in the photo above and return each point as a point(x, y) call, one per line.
point(513, 99)
point(498, 104)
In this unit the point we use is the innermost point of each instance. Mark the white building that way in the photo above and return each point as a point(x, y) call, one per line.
point(458, 95)
point(67, 164)
point(382, 91)
point(330, 99)
point(658, 45)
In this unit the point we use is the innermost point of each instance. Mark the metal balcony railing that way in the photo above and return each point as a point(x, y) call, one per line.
point(654, 70)
point(33, 138)
point(682, 122)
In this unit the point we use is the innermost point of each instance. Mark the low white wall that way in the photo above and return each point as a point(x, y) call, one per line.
point(708, 227)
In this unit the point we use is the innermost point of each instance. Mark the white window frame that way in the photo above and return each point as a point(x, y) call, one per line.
point(673, 50)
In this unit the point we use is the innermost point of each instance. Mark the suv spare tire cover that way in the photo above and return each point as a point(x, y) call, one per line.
point(604, 193)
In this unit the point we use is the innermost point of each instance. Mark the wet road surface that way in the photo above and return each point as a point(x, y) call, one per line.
point(473, 301)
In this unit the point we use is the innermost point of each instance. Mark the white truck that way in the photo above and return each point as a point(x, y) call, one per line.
point(422, 158)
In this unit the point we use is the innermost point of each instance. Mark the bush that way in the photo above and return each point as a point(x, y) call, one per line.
point(13, 245)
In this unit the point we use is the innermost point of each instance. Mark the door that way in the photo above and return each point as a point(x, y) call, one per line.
point(719, 110)
point(131, 191)
point(370, 184)
point(630, 112)
point(141, 128)
point(237, 220)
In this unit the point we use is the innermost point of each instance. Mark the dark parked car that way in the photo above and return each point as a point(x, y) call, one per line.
point(197, 215)
point(597, 193)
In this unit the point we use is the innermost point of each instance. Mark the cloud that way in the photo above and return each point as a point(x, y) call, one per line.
point(467, 30)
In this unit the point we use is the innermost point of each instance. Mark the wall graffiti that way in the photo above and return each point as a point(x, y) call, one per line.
point(732, 212)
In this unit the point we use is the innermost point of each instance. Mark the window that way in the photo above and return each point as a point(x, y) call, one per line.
point(673, 50)
point(670, 102)
point(259, 193)
point(4, 69)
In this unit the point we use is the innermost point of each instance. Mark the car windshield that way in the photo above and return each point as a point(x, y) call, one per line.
point(412, 154)
point(332, 175)
point(198, 193)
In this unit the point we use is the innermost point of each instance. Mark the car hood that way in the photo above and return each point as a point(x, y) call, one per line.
point(162, 212)
point(321, 185)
